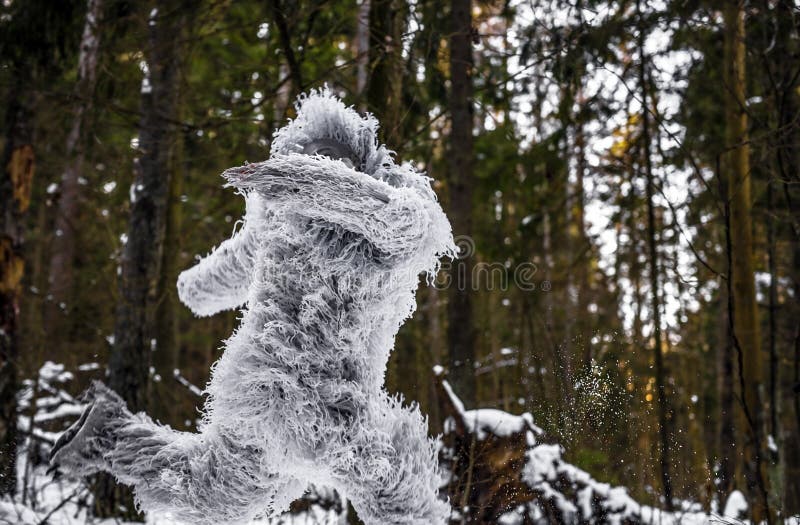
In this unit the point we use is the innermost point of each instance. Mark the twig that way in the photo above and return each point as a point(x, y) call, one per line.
point(185, 382)
point(58, 507)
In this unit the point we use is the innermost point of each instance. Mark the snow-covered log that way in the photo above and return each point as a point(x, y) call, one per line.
point(45, 405)
point(503, 469)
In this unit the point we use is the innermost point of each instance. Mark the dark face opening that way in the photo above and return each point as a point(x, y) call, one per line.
point(332, 149)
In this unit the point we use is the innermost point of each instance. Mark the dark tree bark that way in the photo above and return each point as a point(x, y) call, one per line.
point(143, 251)
point(284, 34)
point(774, 378)
point(655, 301)
point(60, 277)
point(18, 164)
point(460, 330)
point(583, 252)
point(726, 459)
point(383, 98)
point(387, 21)
point(780, 80)
point(142, 255)
point(167, 351)
point(29, 57)
point(745, 324)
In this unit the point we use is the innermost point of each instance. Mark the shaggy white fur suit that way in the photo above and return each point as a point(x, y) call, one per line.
point(326, 264)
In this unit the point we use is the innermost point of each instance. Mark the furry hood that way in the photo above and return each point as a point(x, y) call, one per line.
point(322, 115)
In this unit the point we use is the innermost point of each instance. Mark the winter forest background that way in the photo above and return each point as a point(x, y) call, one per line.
point(622, 177)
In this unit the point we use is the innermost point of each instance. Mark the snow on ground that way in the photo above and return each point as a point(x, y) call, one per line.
point(66, 503)
point(551, 489)
point(47, 406)
point(46, 409)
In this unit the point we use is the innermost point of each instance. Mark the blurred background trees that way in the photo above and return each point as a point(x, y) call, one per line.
point(625, 176)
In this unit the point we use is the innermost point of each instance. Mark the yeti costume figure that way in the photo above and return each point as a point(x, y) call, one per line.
point(327, 262)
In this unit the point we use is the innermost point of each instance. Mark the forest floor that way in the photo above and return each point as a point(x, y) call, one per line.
point(554, 483)
point(67, 502)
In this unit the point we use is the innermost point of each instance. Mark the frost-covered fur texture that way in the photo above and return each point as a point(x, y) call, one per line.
point(327, 262)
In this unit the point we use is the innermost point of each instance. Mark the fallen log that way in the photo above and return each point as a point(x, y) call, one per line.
point(502, 468)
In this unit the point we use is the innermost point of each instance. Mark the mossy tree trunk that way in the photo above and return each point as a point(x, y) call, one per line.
point(745, 323)
point(18, 165)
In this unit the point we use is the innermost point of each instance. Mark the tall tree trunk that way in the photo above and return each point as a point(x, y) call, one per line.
point(791, 495)
point(384, 88)
point(282, 97)
point(556, 364)
point(726, 459)
point(791, 388)
point(655, 302)
point(746, 337)
point(142, 254)
point(582, 253)
point(18, 164)
point(780, 79)
point(774, 378)
point(387, 21)
point(435, 345)
point(776, 468)
point(460, 329)
point(285, 37)
point(63, 249)
point(167, 351)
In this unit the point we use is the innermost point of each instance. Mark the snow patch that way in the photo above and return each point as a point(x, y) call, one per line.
point(736, 506)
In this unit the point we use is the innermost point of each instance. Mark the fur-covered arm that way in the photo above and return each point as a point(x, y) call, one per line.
point(399, 221)
point(221, 279)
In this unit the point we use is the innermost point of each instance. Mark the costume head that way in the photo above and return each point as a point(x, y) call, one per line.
point(325, 126)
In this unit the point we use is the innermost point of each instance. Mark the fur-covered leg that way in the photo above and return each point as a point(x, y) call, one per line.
point(80, 450)
point(196, 478)
point(396, 482)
